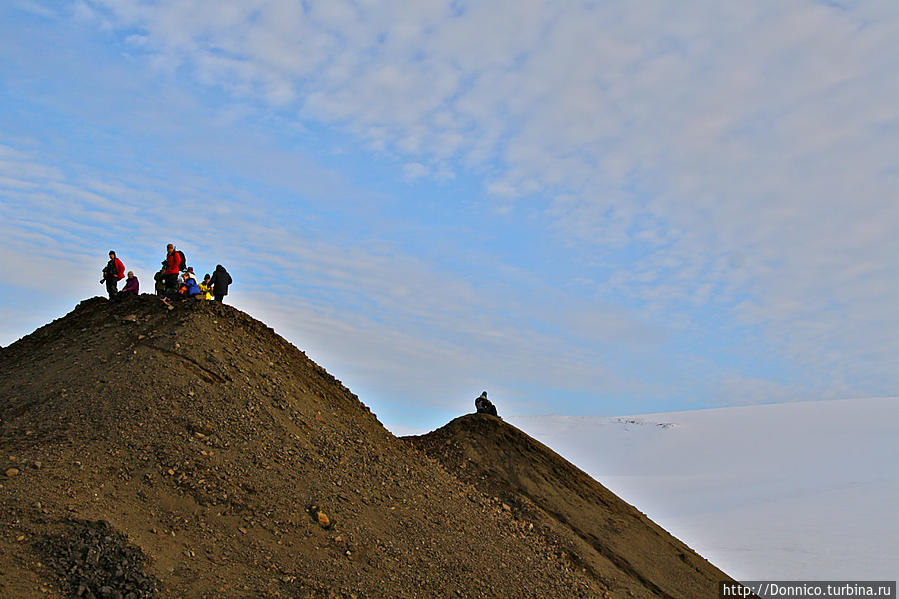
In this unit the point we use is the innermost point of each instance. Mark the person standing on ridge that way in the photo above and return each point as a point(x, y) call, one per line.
point(220, 281)
point(112, 274)
point(171, 266)
point(484, 405)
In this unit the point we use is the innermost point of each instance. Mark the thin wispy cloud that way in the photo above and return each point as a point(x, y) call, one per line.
point(711, 185)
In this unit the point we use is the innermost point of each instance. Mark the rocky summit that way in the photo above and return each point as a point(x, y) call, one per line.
point(194, 452)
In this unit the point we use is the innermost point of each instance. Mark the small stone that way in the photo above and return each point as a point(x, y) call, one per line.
point(323, 519)
point(242, 529)
point(11, 472)
point(20, 538)
point(38, 464)
point(506, 507)
point(171, 472)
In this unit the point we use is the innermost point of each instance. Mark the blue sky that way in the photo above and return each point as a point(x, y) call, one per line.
point(583, 207)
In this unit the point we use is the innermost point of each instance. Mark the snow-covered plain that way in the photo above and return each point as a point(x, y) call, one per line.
point(794, 491)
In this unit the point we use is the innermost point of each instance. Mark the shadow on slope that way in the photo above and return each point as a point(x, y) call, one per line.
point(601, 534)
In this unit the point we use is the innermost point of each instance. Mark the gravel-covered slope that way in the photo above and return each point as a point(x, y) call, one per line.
point(195, 453)
point(619, 547)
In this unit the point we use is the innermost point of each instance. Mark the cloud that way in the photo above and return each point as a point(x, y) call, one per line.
point(414, 170)
point(724, 166)
point(395, 325)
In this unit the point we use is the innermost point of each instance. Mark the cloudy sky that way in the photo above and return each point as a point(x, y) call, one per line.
point(588, 207)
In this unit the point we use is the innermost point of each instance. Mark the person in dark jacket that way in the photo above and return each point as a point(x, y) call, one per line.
point(484, 405)
point(159, 282)
point(171, 266)
point(220, 281)
point(112, 274)
point(132, 285)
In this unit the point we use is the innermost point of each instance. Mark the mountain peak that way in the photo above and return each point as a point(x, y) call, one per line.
point(217, 459)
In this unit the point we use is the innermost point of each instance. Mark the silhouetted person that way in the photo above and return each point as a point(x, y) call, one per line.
point(484, 405)
point(220, 281)
point(112, 274)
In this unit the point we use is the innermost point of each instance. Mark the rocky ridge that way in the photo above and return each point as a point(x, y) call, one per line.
point(196, 453)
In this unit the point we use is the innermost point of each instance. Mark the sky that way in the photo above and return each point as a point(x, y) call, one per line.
point(585, 208)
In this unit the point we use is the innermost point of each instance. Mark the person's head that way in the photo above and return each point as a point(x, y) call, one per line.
point(219, 267)
point(484, 394)
point(190, 269)
point(206, 277)
point(112, 253)
point(169, 248)
point(185, 276)
point(130, 274)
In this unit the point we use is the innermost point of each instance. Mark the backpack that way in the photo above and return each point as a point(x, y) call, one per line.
point(183, 266)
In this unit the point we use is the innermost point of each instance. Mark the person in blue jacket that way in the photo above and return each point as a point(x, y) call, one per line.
point(189, 287)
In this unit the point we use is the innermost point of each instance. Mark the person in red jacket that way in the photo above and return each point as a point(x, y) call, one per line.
point(171, 266)
point(112, 274)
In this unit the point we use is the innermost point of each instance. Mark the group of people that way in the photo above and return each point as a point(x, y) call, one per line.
point(175, 280)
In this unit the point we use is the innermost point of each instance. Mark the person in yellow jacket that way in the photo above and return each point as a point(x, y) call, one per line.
point(206, 287)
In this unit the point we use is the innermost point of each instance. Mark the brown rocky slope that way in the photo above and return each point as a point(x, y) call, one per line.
point(196, 453)
point(603, 535)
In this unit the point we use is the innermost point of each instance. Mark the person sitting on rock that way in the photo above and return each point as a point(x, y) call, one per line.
point(484, 405)
point(189, 287)
point(206, 287)
point(132, 286)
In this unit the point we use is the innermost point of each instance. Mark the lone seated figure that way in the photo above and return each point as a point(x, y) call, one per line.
point(484, 405)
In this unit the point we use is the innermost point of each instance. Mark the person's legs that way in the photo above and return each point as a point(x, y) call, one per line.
point(219, 298)
point(171, 284)
point(112, 288)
